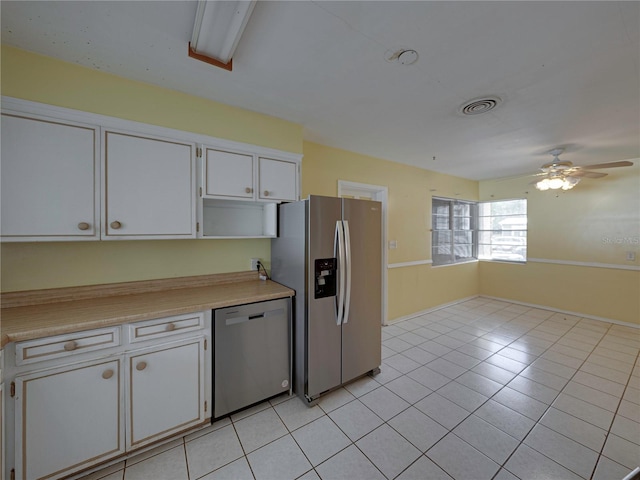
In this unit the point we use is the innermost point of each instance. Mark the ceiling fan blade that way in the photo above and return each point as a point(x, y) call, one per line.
point(586, 174)
point(606, 165)
point(513, 177)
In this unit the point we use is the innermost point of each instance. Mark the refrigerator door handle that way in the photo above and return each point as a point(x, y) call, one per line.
point(338, 249)
point(347, 256)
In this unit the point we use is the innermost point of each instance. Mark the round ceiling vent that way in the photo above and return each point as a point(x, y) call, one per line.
point(401, 55)
point(478, 106)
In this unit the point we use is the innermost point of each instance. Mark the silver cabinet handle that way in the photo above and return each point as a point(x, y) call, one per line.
point(115, 225)
point(70, 346)
point(141, 366)
point(170, 327)
point(107, 374)
point(84, 226)
point(265, 193)
point(248, 190)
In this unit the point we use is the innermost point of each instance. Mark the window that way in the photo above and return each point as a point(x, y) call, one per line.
point(502, 230)
point(453, 238)
point(464, 231)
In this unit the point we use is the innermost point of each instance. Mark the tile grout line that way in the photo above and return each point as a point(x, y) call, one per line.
point(606, 438)
point(517, 374)
point(460, 318)
point(550, 406)
point(450, 431)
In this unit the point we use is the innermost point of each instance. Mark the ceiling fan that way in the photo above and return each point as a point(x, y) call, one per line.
point(562, 174)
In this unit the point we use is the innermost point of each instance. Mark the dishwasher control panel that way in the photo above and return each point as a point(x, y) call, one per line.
point(325, 275)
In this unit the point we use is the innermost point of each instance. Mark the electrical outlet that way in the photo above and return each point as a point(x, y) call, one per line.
point(631, 256)
point(254, 263)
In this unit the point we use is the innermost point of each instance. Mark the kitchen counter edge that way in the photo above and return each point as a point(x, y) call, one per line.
point(31, 322)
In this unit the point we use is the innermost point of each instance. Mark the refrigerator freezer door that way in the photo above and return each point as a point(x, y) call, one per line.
point(323, 336)
point(361, 335)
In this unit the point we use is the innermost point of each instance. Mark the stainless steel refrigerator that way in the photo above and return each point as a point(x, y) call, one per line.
point(329, 250)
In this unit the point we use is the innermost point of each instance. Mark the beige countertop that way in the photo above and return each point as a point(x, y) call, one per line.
point(84, 308)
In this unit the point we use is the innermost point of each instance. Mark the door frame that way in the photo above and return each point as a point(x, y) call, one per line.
point(380, 194)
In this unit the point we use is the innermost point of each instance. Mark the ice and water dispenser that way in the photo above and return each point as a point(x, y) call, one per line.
point(326, 278)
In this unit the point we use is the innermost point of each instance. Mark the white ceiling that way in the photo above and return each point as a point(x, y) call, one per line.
point(568, 72)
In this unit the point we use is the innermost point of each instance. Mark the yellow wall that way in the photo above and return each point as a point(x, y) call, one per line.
point(43, 79)
point(27, 266)
point(584, 225)
point(33, 266)
point(597, 222)
point(414, 288)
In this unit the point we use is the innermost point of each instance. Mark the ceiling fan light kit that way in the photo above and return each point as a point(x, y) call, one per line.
point(565, 175)
point(556, 183)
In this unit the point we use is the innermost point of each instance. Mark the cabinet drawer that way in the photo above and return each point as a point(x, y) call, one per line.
point(165, 327)
point(60, 346)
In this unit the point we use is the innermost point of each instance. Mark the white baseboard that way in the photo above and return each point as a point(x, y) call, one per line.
point(567, 312)
point(431, 310)
point(508, 300)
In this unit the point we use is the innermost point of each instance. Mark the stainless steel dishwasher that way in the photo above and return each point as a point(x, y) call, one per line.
point(251, 354)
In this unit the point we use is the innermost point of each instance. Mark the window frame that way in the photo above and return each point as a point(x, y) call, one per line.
point(500, 233)
point(474, 229)
point(454, 246)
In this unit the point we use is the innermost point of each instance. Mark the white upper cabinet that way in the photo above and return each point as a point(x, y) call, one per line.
point(148, 187)
point(240, 187)
point(278, 180)
point(73, 175)
point(227, 174)
point(49, 175)
point(240, 175)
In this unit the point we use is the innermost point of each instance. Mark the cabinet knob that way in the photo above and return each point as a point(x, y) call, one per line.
point(141, 366)
point(70, 346)
point(115, 225)
point(107, 374)
point(170, 327)
point(248, 190)
point(265, 193)
point(83, 226)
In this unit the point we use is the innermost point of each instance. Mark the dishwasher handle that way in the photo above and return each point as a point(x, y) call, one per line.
point(245, 318)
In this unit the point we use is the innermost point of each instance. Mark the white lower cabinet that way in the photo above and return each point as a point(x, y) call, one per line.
point(84, 398)
point(166, 390)
point(68, 418)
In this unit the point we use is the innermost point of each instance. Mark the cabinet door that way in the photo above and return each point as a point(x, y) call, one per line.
point(67, 419)
point(48, 179)
point(228, 174)
point(149, 187)
point(166, 390)
point(278, 180)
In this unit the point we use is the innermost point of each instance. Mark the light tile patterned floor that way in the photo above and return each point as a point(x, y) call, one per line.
point(481, 390)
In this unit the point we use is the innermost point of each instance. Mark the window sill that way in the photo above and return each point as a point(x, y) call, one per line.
point(512, 262)
point(454, 264)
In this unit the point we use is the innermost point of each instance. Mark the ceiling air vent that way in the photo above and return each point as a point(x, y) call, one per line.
point(480, 105)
